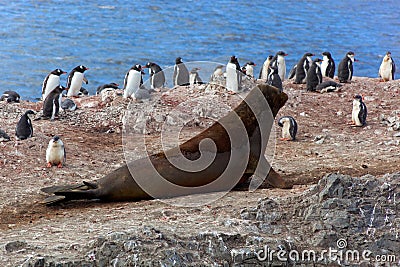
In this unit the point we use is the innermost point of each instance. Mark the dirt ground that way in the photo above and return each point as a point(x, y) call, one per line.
point(325, 143)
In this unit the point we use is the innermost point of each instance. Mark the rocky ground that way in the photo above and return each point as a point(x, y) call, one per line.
point(315, 214)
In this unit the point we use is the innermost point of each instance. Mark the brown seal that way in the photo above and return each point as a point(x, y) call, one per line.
point(239, 143)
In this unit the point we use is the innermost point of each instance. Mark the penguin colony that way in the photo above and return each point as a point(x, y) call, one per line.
point(273, 71)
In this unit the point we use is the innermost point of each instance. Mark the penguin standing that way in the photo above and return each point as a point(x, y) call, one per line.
point(359, 113)
point(345, 69)
point(157, 77)
point(233, 75)
point(194, 77)
point(314, 75)
point(218, 73)
point(106, 86)
point(4, 136)
point(55, 153)
point(10, 96)
point(302, 68)
point(181, 73)
point(132, 81)
point(51, 105)
point(387, 68)
point(51, 81)
point(289, 128)
point(264, 69)
point(327, 65)
point(24, 127)
point(75, 79)
point(249, 68)
point(279, 61)
point(274, 79)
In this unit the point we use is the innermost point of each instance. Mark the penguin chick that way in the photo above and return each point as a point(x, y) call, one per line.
point(314, 75)
point(249, 68)
point(328, 86)
point(194, 77)
point(68, 104)
point(181, 73)
point(289, 128)
point(106, 86)
point(157, 76)
point(55, 153)
point(4, 136)
point(24, 127)
point(359, 113)
point(264, 69)
point(274, 79)
point(387, 68)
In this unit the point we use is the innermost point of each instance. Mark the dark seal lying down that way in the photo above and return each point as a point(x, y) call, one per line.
point(239, 143)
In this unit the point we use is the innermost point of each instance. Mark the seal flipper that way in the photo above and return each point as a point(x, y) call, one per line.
point(266, 174)
point(62, 193)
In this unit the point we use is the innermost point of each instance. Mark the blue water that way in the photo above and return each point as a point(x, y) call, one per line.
point(109, 37)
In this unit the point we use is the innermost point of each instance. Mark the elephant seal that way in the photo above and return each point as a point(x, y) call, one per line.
point(233, 147)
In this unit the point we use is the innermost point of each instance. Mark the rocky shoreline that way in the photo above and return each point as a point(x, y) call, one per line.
point(327, 204)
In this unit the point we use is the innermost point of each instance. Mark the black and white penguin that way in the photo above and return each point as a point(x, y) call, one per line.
point(157, 77)
point(83, 92)
point(68, 104)
point(274, 79)
point(279, 61)
point(24, 127)
point(4, 136)
point(106, 86)
point(359, 113)
point(132, 81)
point(233, 75)
point(249, 68)
point(328, 86)
point(387, 68)
point(289, 128)
point(51, 105)
point(194, 77)
point(75, 79)
point(51, 81)
point(55, 153)
point(181, 73)
point(314, 75)
point(345, 69)
point(301, 69)
point(10, 97)
point(327, 65)
point(265, 68)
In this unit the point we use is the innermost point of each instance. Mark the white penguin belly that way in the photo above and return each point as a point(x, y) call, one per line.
point(76, 84)
point(52, 82)
point(281, 68)
point(324, 65)
point(355, 112)
point(55, 154)
point(386, 70)
point(132, 84)
point(285, 130)
point(231, 78)
point(264, 73)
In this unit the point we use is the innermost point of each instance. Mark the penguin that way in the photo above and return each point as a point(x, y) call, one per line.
point(55, 153)
point(132, 80)
point(83, 92)
point(302, 67)
point(141, 94)
point(106, 86)
point(265, 68)
point(345, 69)
point(10, 97)
point(249, 69)
point(279, 61)
point(75, 79)
point(51, 81)
point(181, 73)
point(387, 68)
point(4, 136)
point(68, 104)
point(274, 79)
point(51, 104)
point(328, 86)
point(217, 73)
point(289, 128)
point(327, 65)
point(157, 77)
point(359, 113)
point(194, 77)
point(24, 127)
point(233, 75)
point(314, 75)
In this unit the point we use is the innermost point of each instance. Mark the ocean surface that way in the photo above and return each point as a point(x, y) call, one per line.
point(111, 36)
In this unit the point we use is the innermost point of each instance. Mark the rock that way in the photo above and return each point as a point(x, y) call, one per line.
point(15, 245)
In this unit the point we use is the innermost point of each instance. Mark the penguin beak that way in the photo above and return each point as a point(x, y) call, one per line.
point(356, 60)
point(64, 72)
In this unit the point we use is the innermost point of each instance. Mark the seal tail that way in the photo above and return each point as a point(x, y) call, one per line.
point(69, 192)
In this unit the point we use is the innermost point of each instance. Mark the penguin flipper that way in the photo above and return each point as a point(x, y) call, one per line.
point(393, 69)
point(292, 72)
